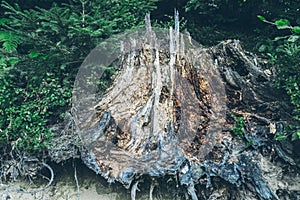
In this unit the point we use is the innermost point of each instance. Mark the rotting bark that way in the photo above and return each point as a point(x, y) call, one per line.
point(165, 115)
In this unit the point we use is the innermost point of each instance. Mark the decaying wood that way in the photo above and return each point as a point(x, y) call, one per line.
point(165, 113)
point(165, 108)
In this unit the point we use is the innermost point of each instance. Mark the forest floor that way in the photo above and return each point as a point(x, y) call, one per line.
point(64, 187)
point(92, 186)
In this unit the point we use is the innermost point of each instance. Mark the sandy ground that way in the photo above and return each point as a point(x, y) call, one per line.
point(63, 188)
point(91, 187)
point(63, 192)
point(94, 187)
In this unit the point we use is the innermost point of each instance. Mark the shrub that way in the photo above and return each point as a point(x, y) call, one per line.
point(42, 50)
point(284, 54)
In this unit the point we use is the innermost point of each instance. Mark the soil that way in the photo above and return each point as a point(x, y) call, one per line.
point(91, 186)
point(282, 179)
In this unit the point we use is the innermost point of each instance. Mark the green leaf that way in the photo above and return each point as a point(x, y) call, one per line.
point(44, 57)
point(261, 18)
point(10, 41)
point(293, 38)
point(282, 137)
point(296, 29)
point(282, 24)
point(34, 54)
point(3, 21)
point(63, 67)
point(262, 48)
point(10, 46)
point(294, 136)
point(13, 60)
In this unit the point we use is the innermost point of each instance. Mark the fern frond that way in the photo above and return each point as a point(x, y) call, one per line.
point(9, 41)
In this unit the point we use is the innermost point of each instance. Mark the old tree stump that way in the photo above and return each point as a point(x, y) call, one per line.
point(167, 114)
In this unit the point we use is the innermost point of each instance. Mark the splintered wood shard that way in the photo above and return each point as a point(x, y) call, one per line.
point(164, 108)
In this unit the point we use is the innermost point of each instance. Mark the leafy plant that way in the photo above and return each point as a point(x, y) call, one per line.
point(289, 131)
point(239, 126)
point(9, 41)
point(285, 56)
point(284, 24)
point(42, 50)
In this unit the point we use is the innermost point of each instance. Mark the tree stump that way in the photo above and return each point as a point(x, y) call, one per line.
point(165, 110)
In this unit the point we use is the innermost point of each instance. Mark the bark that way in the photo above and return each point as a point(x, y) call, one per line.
point(168, 110)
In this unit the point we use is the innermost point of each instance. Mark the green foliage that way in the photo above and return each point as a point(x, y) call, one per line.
point(225, 11)
point(296, 29)
point(239, 126)
point(9, 41)
point(261, 18)
point(41, 52)
point(211, 21)
point(284, 24)
point(26, 108)
point(284, 54)
point(290, 131)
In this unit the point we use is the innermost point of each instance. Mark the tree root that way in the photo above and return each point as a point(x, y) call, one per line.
point(134, 188)
point(5, 194)
point(192, 192)
point(153, 185)
point(76, 181)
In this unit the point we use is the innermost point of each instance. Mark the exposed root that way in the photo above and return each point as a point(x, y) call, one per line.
point(153, 185)
point(5, 194)
point(76, 181)
point(50, 181)
point(247, 114)
point(134, 188)
point(214, 196)
point(192, 192)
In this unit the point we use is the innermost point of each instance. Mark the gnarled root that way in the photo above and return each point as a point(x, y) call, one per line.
point(192, 192)
point(6, 193)
point(153, 185)
point(134, 188)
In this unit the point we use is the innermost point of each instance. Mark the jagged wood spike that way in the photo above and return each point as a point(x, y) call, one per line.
point(176, 29)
